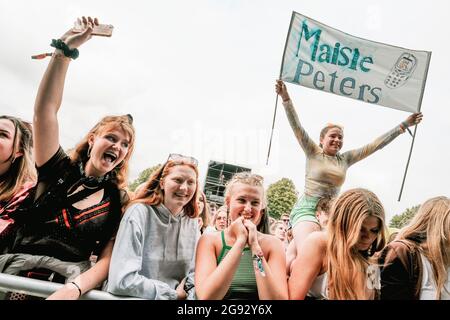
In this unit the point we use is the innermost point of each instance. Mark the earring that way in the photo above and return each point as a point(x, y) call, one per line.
point(88, 154)
point(119, 166)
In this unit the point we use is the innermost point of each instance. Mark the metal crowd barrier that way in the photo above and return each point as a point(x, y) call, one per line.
point(43, 289)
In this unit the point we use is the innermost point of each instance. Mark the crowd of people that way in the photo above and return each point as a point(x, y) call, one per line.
point(68, 217)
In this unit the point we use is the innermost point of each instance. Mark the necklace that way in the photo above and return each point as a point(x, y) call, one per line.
point(89, 181)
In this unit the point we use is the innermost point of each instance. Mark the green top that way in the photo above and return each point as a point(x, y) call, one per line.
point(243, 286)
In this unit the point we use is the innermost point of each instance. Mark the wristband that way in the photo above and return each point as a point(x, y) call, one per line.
point(78, 287)
point(257, 260)
point(405, 127)
point(59, 44)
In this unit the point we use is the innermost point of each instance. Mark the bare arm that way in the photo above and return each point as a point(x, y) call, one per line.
point(273, 286)
point(307, 266)
point(303, 138)
point(271, 280)
point(88, 280)
point(49, 96)
point(212, 281)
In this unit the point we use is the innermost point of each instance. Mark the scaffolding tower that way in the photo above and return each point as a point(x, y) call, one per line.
point(218, 174)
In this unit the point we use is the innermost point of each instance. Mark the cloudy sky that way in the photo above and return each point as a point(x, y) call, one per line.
point(198, 77)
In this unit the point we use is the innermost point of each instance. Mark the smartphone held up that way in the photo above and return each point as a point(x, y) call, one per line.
point(104, 30)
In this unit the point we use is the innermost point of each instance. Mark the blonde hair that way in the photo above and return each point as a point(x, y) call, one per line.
point(248, 178)
point(108, 124)
point(275, 224)
point(254, 180)
point(431, 227)
point(347, 266)
point(22, 168)
point(152, 194)
point(223, 208)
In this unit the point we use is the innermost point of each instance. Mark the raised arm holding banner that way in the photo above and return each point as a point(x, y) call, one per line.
point(322, 58)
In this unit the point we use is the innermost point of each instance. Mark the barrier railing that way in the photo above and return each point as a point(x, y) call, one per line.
point(43, 289)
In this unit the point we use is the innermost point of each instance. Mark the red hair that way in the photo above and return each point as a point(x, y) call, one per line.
point(107, 124)
point(152, 194)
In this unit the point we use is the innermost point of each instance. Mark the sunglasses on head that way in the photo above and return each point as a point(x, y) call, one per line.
point(180, 157)
point(247, 174)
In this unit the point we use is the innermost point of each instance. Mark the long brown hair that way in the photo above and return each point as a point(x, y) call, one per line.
point(206, 212)
point(152, 194)
point(431, 227)
point(347, 266)
point(22, 168)
point(107, 124)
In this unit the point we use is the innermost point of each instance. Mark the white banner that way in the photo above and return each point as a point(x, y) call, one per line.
point(323, 58)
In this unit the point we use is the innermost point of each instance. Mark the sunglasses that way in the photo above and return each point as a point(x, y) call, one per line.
point(180, 157)
point(248, 175)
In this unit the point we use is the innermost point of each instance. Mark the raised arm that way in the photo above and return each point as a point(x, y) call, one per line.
point(356, 155)
point(212, 281)
point(303, 139)
point(49, 96)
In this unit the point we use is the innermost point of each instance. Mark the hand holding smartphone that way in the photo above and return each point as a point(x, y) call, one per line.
point(104, 30)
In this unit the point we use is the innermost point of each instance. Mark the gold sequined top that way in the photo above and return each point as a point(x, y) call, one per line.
point(325, 174)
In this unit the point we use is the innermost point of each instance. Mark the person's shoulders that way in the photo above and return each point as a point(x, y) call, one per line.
point(397, 250)
point(319, 236)
point(138, 212)
point(211, 236)
point(271, 242)
point(190, 220)
point(211, 239)
point(317, 239)
point(59, 159)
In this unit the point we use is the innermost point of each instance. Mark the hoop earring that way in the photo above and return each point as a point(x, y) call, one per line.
point(119, 166)
point(88, 154)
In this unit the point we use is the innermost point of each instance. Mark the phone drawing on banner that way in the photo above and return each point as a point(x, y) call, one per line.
point(402, 70)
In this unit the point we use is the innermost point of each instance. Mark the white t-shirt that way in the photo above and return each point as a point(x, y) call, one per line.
point(428, 287)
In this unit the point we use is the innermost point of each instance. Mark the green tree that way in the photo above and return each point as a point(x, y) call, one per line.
point(401, 220)
point(143, 176)
point(281, 197)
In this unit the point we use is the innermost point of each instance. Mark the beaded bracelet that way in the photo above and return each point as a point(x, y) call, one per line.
point(257, 260)
point(59, 44)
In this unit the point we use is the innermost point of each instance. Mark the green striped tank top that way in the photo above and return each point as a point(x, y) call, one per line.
point(243, 286)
